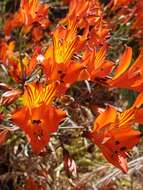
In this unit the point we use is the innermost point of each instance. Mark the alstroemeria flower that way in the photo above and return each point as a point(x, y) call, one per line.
point(30, 12)
point(66, 74)
point(38, 118)
point(127, 75)
point(65, 42)
point(85, 12)
point(22, 69)
point(113, 134)
point(96, 65)
point(88, 15)
point(58, 63)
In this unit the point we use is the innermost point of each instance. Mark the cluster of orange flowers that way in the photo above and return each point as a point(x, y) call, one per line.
point(76, 52)
point(130, 10)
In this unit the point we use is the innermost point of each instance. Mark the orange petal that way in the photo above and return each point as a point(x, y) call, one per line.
point(20, 117)
point(126, 117)
point(124, 63)
point(105, 118)
point(139, 100)
point(139, 116)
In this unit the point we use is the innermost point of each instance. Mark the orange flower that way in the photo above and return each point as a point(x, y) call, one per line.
point(36, 94)
point(85, 12)
point(12, 61)
point(58, 64)
point(17, 70)
point(88, 15)
point(37, 118)
point(65, 42)
point(66, 74)
point(96, 65)
point(30, 11)
point(113, 134)
point(61, 65)
point(98, 35)
point(127, 75)
point(38, 123)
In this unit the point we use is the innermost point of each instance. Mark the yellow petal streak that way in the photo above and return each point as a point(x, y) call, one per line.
point(35, 94)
